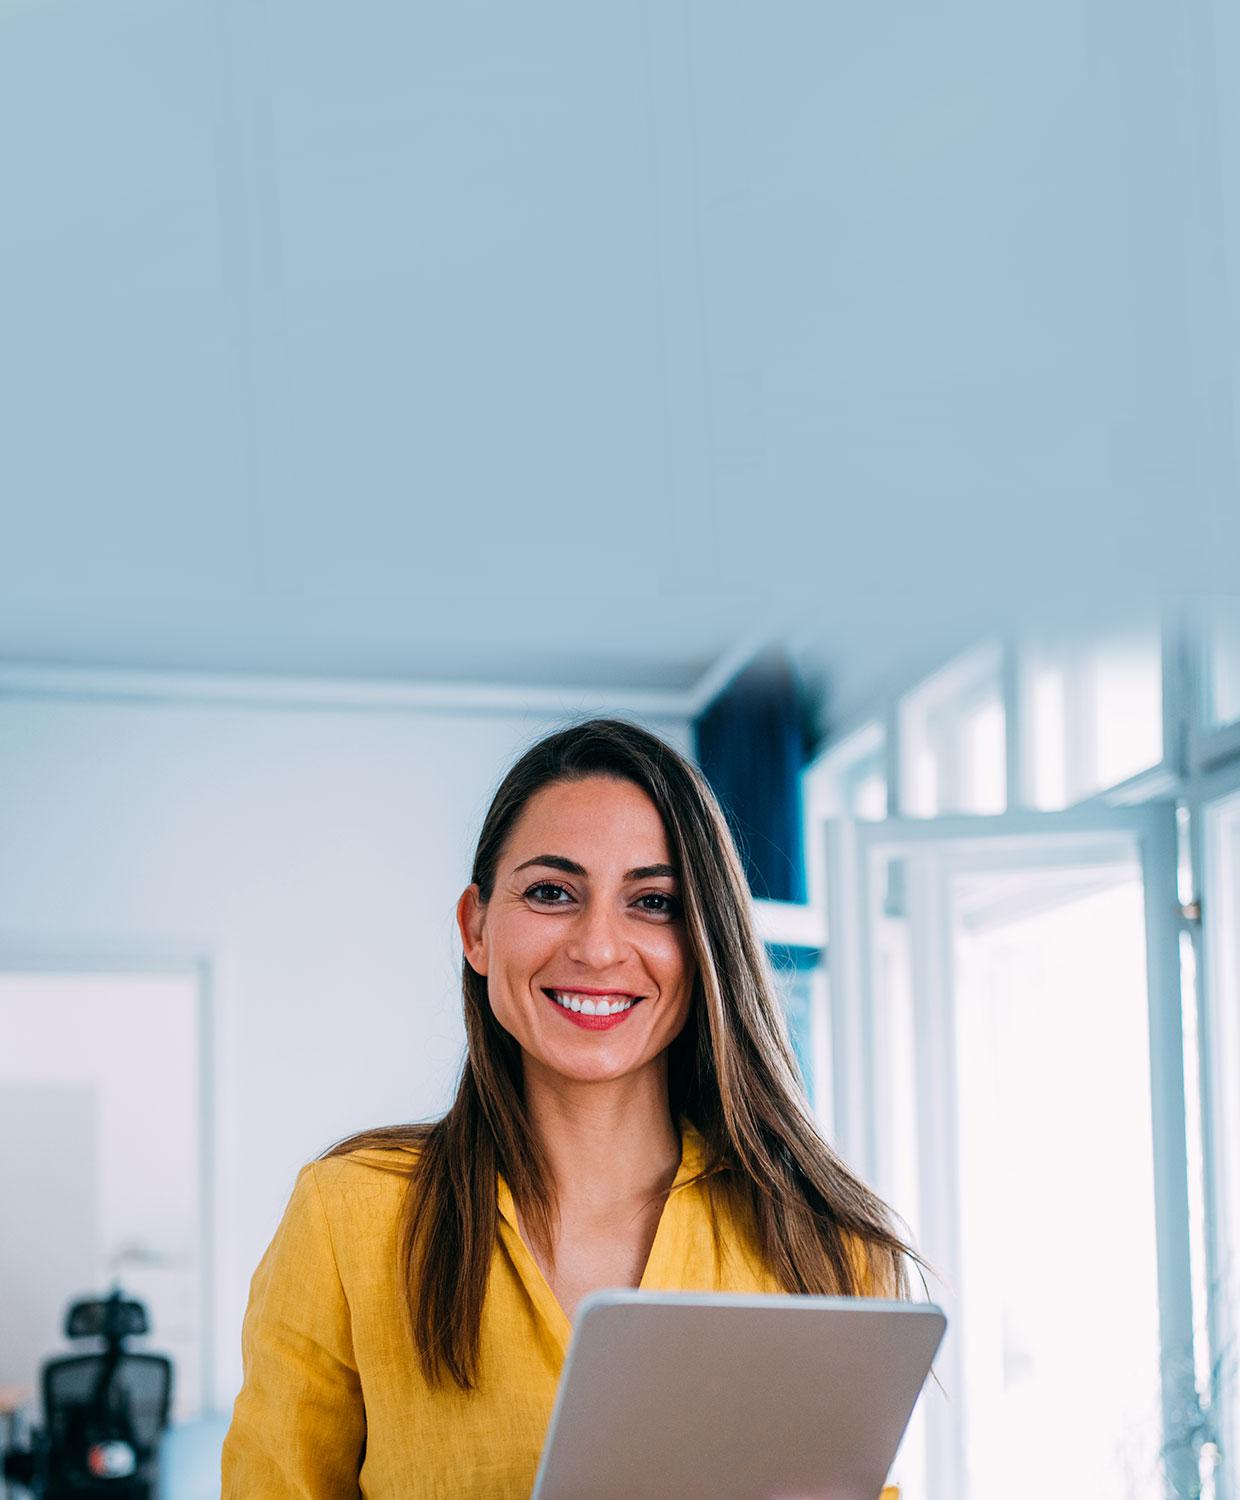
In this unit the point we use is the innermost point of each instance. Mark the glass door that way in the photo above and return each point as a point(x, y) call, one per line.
point(1009, 1076)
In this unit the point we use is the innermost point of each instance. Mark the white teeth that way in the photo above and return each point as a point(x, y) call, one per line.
point(588, 1005)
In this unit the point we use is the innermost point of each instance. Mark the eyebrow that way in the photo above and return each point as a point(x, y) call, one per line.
point(571, 867)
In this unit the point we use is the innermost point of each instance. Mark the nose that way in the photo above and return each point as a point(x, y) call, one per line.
point(596, 940)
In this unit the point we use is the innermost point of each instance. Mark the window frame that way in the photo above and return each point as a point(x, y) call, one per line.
point(1207, 796)
point(1210, 745)
point(1200, 764)
point(863, 1101)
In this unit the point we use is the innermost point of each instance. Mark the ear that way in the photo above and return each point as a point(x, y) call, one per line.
point(471, 919)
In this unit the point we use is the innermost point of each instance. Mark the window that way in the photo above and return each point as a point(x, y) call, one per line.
point(849, 781)
point(1092, 698)
point(798, 972)
point(953, 740)
point(794, 936)
point(999, 983)
point(1030, 1007)
point(1222, 662)
point(1221, 1116)
point(1053, 1110)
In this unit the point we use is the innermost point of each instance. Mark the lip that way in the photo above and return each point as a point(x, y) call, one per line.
point(596, 1023)
point(584, 989)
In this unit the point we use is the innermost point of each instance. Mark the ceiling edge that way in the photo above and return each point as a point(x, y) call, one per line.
point(18, 680)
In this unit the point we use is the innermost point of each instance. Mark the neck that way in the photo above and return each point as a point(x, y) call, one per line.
point(609, 1145)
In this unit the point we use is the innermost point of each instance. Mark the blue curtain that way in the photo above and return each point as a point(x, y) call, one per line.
point(752, 743)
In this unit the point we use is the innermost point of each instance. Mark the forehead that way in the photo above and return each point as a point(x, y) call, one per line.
point(611, 820)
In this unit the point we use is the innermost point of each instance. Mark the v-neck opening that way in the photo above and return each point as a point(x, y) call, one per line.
point(536, 1283)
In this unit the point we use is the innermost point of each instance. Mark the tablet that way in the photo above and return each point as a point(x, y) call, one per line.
point(720, 1396)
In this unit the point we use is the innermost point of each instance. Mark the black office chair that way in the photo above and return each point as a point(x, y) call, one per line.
point(103, 1413)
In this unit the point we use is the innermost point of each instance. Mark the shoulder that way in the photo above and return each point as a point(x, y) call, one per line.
point(364, 1176)
point(389, 1161)
point(329, 1188)
point(344, 1214)
point(347, 1186)
point(386, 1153)
point(874, 1267)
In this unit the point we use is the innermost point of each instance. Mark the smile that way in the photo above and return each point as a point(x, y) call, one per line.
point(594, 1012)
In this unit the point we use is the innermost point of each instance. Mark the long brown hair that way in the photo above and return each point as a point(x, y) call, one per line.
point(731, 1073)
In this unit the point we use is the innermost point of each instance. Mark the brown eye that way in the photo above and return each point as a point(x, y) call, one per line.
point(669, 908)
point(540, 891)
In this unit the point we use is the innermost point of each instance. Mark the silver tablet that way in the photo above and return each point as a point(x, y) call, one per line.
point(718, 1396)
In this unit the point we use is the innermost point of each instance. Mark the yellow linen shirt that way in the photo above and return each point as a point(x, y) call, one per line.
point(334, 1405)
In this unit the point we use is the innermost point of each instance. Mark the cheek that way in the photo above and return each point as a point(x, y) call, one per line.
point(674, 958)
point(520, 948)
point(679, 953)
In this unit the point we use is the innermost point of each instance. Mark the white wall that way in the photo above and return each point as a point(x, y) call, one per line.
point(313, 859)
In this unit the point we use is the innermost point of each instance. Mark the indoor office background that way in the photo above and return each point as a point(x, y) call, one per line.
point(1001, 898)
point(850, 396)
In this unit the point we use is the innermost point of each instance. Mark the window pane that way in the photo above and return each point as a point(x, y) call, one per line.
point(921, 792)
point(1127, 706)
point(1222, 971)
point(849, 779)
point(1048, 732)
point(1093, 700)
point(953, 730)
point(982, 751)
point(1223, 662)
point(869, 799)
point(1059, 1307)
point(1014, 1133)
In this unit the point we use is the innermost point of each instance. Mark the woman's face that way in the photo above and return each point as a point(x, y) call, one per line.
point(584, 911)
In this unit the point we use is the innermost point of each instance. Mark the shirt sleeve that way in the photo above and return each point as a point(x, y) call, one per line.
point(298, 1427)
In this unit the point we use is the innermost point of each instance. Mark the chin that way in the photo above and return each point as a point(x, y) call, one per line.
point(587, 1069)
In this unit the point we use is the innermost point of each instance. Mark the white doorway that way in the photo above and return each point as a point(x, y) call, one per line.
point(101, 1162)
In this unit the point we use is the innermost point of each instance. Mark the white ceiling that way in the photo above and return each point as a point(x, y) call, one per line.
point(553, 342)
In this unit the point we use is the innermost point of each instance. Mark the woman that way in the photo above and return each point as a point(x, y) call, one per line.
point(628, 1114)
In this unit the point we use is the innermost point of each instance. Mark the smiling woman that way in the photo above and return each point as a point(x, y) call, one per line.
point(606, 936)
point(628, 1115)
